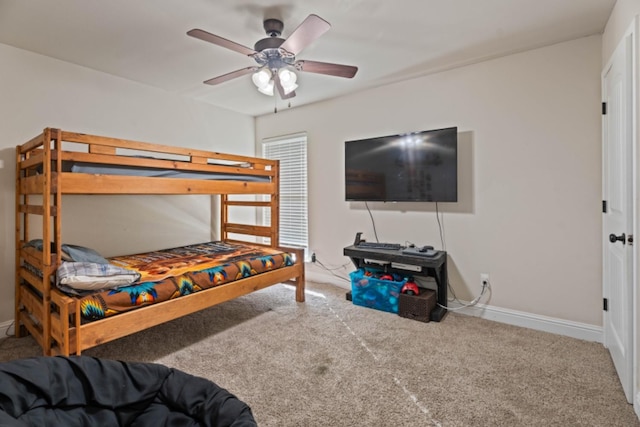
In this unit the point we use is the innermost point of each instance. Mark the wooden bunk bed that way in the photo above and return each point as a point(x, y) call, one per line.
point(54, 317)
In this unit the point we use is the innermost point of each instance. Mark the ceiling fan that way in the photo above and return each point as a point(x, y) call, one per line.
point(276, 57)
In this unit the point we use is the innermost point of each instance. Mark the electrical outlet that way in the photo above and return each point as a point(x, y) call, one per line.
point(313, 257)
point(484, 279)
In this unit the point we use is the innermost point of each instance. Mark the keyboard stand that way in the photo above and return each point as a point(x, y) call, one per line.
point(394, 261)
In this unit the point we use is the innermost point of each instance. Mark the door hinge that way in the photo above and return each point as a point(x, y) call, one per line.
point(604, 108)
point(604, 206)
point(605, 304)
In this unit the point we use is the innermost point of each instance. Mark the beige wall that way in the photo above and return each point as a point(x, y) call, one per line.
point(621, 17)
point(529, 129)
point(619, 22)
point(38, 91)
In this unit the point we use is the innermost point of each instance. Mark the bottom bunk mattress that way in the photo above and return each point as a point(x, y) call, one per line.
point(172, 273)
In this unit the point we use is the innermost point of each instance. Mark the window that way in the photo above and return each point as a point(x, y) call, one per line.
point(291, 150)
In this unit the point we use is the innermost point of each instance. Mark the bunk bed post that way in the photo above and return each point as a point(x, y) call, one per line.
point(224, 216)
point(46, 243)
point(77, 324)
point(64, 329)
point(20, 219)
point(300, 281)
point(275, 207)
point(56, 209)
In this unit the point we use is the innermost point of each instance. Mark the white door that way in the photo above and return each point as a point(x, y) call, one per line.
point(618, 190)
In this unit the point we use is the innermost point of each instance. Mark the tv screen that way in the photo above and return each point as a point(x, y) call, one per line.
point(412, 167)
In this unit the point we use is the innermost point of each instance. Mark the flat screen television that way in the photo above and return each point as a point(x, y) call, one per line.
point(412, 167)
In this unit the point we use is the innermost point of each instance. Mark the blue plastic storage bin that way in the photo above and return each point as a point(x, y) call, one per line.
point(368, 290)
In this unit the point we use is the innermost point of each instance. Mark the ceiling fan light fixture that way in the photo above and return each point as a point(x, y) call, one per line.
point(290, 88)
point(267, 89)
point(262, 78)
point(287, 76)
point(287, 80)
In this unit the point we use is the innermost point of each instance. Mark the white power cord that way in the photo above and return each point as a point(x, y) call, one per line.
point(485, 286)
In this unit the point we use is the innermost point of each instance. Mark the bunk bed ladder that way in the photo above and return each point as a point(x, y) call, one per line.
point(49, 209)
point(269, 231)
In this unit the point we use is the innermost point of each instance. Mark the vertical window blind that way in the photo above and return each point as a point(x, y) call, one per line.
point(291, 151)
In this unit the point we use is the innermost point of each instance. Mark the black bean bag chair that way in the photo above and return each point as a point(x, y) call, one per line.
point(86, 391)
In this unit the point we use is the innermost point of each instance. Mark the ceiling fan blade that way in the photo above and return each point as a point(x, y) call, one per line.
point(310, 29)
point(276, 80)
point(337, 70)
point(220, 41)
point(232, 75)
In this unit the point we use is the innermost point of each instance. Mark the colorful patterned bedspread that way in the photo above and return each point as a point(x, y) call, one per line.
point(172, 273)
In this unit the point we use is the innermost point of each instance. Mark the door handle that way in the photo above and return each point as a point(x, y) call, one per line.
point(622, 238)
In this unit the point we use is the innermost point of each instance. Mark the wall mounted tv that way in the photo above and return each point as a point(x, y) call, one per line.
point(411, 167)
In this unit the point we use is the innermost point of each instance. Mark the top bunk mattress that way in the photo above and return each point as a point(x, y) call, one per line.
point(107, 169)
point(172, 273)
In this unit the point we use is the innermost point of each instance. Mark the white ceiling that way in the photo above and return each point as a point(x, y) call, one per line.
point(146, 41)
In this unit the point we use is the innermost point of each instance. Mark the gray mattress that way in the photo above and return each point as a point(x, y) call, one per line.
point(92, 168)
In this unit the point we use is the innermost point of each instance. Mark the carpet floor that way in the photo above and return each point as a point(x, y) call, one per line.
point(327, 362)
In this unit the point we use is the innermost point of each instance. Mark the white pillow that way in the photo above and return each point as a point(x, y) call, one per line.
point(87, 276)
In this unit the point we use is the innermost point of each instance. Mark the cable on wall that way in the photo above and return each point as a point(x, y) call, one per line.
point(332, 270)
point(485, 284)
point(375, 232)
point(441, 228)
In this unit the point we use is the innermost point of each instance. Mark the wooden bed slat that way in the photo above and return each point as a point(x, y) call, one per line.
point(32, 279)
point(37, 210)
point(31, 144)
point(31, 184)
point(31, 209)
point(57, 331)
point(254, 230)
point(244, 242)
point(34, 330)
point(31, 303)
point(33, 161)
point(78, 183)
point(101, 149)
point(34, 257)
point(248, 203)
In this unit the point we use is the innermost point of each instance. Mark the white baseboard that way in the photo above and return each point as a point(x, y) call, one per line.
point(636, 405)
point(537, 322)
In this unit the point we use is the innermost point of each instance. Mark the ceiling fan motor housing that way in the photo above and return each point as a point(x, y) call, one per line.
point(268, 43)
point(269, 52)
point(273, 27)
point(274, 58)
